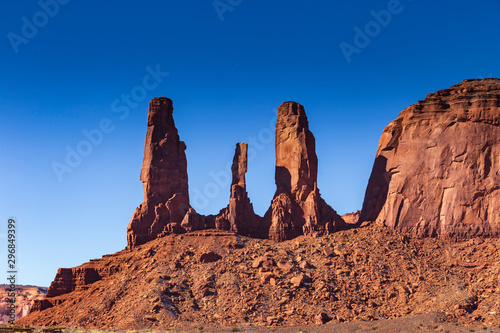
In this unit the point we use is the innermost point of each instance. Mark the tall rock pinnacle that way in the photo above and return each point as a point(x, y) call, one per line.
point(297, 207)
point(437, 171)
point(239, 215)
point(163, 175)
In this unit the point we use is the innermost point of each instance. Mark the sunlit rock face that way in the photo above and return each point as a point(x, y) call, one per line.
point(437, 168)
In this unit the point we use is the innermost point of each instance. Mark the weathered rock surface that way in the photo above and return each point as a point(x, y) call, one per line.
point(25, 296)
point(163, 175)
point(437, 168)
point(297, 207)
point(239, 215)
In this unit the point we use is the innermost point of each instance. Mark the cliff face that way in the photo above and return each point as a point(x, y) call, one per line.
point(297, 207)
point(163, 175)
point(437, 168)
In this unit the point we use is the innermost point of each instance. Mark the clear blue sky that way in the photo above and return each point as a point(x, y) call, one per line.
point(229, 69)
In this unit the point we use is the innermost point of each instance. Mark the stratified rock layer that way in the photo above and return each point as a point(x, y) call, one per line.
point(163, 175)
point(239, 215)
point(437, 169)
point(297, 207)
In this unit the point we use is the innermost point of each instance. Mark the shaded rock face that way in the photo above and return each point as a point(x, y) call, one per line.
point(297, 207)
point(163, 175)
point(239, 215)
point(437, 168)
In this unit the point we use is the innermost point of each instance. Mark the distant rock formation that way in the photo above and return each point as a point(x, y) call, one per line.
point(351, 218)
point(25, 296)
point(297, 207)
point(164, 177)
point(437, 168)
point(239, 215)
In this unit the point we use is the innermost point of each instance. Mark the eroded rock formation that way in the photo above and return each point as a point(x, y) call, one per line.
point(163, 175)
point(297, 207)
point(239, 215)
point(78, 278)
point(25, 296)
point(437, 168)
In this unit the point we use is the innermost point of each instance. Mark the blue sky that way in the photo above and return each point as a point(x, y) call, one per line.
point(82, 67)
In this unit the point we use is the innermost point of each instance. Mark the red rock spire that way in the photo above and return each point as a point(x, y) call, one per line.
point(164, 177)
point(297, 207)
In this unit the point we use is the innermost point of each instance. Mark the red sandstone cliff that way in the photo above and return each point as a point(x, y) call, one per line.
point(437, 169)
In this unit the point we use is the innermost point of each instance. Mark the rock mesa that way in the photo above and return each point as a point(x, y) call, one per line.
point(437, 168)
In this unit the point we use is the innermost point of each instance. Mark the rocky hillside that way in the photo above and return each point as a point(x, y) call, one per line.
point(25, 295)
point(210, 277)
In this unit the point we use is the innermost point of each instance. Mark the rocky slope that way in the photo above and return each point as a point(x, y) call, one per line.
point(219, 278)
point(25, 296)
point(437, 168)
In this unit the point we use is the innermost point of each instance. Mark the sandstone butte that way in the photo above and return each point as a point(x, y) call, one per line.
point(436, 173)
point(297, 207)
point(437, 168)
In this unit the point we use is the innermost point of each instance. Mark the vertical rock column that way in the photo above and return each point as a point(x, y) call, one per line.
point(239, 215)
point(297, 207)
point(163, 175)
